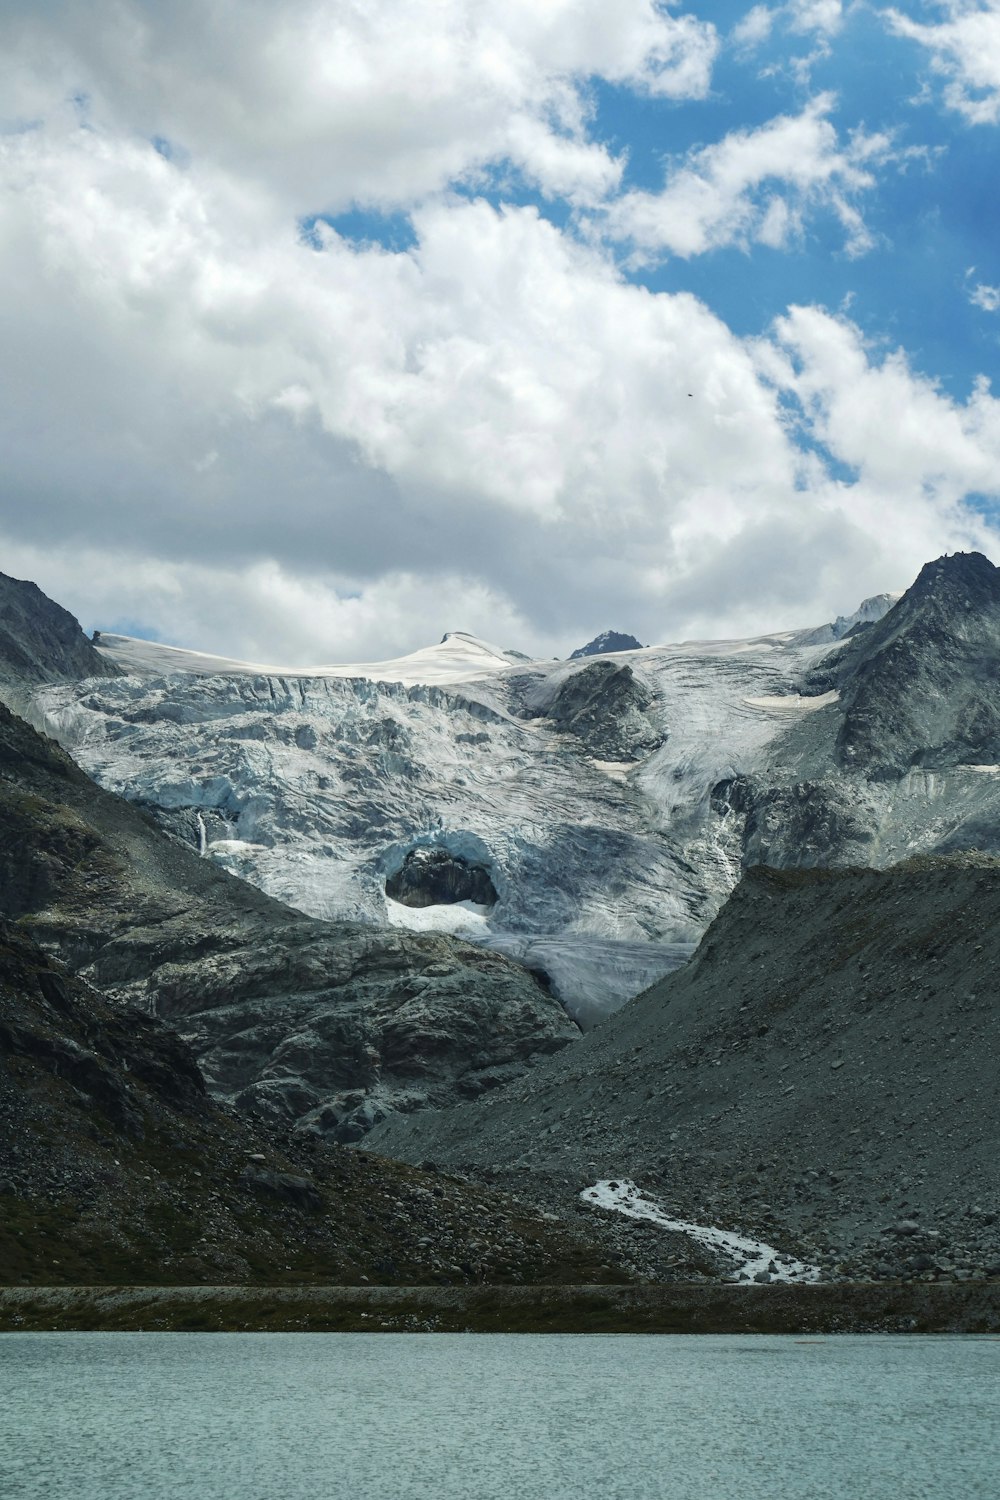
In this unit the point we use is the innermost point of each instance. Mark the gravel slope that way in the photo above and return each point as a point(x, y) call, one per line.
point(823, 1073)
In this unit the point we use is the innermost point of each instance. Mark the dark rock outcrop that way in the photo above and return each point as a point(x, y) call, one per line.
point(606, 707)
point(605, 643)
point(430, 876)
point(42, 642)
point(115, 1167)
point(920, 688)
point(809, 825)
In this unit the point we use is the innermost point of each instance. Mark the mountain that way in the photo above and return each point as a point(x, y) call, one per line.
point(291, 1019)
point(117, 1168)
point(42, 642)
point(587, 818)
point(595, 795)
point(607, 641)
point(867, 612)
point(918, 690)
point(906, 758)
point(821, 1075)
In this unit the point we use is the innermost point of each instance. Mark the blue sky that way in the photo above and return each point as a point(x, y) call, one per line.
point(329, 327)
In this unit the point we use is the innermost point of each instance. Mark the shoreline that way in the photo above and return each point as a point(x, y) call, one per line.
point(860, 1307)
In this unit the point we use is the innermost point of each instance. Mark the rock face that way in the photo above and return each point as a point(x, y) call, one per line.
point(605, 643)
point(328, 1025)
point(436, 877)
point(822, 1074)
point(605, 707)
point(115, 1167)
point(42, 642)
point(918, 688)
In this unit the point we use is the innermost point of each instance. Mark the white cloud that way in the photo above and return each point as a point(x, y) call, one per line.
point(264, 612)
point(756, 185)
point(909, 443)
point(332, 102)
point(754, 28)
point(274, 448)
point(823, 16)
point(986, 297)
point(243, 440)
point(965, 50)
point(801, 17)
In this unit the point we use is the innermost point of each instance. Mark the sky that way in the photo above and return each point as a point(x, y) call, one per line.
point(329, 326)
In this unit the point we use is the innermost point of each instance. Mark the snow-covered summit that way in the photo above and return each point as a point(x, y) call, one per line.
point(458, 657)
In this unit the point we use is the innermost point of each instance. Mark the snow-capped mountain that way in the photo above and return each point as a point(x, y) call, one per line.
point(582, 788)
point(595, 813)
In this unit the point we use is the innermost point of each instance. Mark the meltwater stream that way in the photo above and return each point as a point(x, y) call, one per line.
point(160, 1416)
point(750, 1259)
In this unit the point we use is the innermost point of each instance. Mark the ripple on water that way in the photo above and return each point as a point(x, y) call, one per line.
point(463, 1417)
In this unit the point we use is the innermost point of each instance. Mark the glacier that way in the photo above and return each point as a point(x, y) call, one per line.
point(588, 789)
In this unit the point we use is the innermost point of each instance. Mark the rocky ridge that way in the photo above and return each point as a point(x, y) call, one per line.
point(42, 642)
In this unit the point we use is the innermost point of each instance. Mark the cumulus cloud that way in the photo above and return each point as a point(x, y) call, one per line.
point(345, 450)
point(904, 437)
point(264, 612)
point(754, 28)
point(965, 51)
point(985, 297)
point(801, 17)
point(823, 16)
point(756, 186)
point(285, 444)
point(331, 104)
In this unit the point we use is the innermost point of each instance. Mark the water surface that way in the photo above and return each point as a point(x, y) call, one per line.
point(160, 1416)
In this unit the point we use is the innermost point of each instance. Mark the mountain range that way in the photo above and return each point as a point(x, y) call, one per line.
point(451, 863)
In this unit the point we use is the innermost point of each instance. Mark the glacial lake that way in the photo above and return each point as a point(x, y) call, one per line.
point(157, 1416)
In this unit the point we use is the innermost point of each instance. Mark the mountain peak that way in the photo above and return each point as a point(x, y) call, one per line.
point(40, 641)
point(606, 642)
point(917, 689)
point(968, 570)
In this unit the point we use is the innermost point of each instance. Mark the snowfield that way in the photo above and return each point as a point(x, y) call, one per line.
point(458, 658)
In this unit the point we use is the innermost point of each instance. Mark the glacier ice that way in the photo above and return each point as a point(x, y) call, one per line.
point(585, 787)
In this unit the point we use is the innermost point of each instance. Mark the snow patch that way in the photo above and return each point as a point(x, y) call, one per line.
point(791, 703)
point(617, 769)
point(752, 1259)
point(463, 919)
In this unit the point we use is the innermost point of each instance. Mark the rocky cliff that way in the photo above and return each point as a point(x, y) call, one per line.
point(42, 642)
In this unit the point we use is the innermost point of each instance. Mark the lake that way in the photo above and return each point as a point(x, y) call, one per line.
point(273, 1416)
